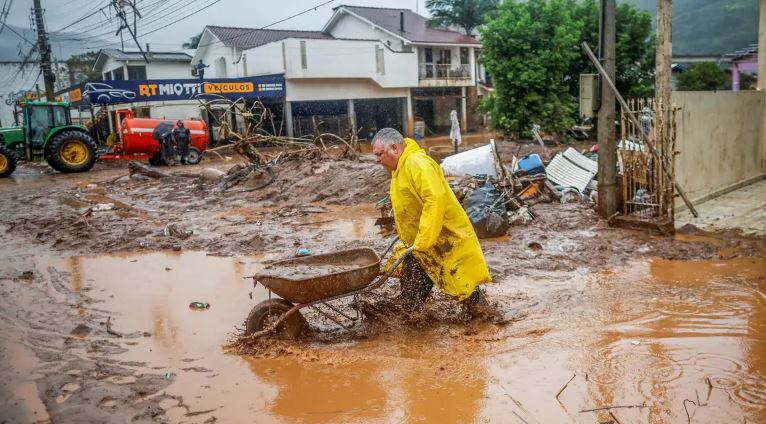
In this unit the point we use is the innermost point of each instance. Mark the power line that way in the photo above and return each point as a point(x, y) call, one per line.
point(4, 13)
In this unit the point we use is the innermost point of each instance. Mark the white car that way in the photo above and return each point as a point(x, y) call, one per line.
point(105, 92)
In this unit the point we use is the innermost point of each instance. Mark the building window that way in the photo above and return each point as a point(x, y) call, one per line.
point(379, 64)
point(429, 55)
point(304, 65)
point(464, 56)
point(142, 112)
point(118, 74)
point(136, 72)
point(107, 76)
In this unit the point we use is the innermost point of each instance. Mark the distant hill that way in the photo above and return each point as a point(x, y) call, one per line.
point(63, 47)
point(710, 26)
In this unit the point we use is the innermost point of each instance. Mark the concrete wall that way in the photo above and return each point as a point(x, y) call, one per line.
point(719, 138)
point(349, 26)
point(265, 60)
point(343, 59)
point(167, 70)
point(338, 89)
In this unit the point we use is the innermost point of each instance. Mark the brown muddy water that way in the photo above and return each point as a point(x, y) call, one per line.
point(649, 338)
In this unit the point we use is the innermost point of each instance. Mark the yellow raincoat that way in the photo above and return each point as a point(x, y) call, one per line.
point(429, 218)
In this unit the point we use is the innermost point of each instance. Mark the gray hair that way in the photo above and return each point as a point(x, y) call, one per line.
point(387, 137)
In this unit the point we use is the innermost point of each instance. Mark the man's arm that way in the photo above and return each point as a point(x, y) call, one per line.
point(431, 191)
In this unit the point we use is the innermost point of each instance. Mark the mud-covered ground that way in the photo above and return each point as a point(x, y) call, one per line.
point(96, 325)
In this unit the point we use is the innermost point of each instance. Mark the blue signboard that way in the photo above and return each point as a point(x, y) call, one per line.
point(129, 91)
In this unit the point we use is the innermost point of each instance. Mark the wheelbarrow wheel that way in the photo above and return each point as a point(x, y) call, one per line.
point(268, 312)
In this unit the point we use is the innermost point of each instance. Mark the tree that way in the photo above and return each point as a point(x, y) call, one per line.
point(525, 38)
point(528, 50)
point(635, 48)
point(703, 76)
point(466, 14)
point(193, 42)
point(80, 68)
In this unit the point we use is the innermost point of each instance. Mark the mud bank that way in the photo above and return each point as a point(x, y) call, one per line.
point(96, 322)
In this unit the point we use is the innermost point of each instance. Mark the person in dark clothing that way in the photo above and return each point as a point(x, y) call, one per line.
point(163, 133)
point(200, 67)
point(183, 138)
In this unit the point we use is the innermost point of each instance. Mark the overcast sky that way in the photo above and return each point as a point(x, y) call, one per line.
point(172, 32)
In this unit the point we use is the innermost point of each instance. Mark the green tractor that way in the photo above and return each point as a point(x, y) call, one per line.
point(47, 133)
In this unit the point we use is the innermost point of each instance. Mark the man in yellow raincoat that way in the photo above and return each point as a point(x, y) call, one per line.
point(429, 218)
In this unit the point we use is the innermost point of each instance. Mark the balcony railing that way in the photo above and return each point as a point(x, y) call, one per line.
point(437, 71)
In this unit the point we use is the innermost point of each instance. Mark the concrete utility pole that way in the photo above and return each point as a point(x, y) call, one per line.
point(45, 51)
point(663, 60)
point(607, 143)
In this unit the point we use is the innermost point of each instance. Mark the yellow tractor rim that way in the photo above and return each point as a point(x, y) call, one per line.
point(74, 152)
point(3, 163)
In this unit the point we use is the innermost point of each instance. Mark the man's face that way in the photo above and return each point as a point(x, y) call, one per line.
point(387, 155)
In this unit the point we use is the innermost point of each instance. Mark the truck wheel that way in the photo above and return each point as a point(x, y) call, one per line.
point(7, 162)
point(268, 312)
point(194, 157)
point(72, 151)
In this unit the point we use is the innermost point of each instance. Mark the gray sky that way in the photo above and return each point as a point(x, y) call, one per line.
point(171, 34)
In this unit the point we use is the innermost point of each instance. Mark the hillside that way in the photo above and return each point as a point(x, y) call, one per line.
point(710, 26)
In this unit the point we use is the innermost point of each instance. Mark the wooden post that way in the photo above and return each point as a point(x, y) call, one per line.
point(663, 60)
point(607, 144)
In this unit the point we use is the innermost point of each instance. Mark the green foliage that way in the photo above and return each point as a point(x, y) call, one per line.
point(193, 42)
point(703, 76)
point(532, 51)
point(81, 68)
point(466, 14)
point(710, 26)
point(528, 48)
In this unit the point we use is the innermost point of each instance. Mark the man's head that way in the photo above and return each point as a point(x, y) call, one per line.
point(180, 124)
point(388, 146)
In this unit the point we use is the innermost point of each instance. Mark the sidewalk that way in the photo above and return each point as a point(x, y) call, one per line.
point(744, 208)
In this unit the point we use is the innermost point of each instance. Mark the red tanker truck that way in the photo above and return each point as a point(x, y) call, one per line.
point(135, 141)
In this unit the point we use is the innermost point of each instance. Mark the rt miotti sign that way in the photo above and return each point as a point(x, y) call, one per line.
point(128, 91)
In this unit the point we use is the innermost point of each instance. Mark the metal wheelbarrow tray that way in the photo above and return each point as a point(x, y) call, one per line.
point(311, 278)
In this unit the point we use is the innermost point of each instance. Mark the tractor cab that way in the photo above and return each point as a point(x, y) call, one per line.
point(41, 118)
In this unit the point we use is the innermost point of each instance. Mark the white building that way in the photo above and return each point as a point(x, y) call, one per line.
point(22, 80)
point(381, 67)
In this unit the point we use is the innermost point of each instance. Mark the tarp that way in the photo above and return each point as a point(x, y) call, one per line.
point(102, 92)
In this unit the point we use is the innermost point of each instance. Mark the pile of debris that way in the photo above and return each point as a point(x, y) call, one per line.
point(496, 195)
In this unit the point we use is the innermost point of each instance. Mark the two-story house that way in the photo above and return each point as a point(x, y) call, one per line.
point(368, 67)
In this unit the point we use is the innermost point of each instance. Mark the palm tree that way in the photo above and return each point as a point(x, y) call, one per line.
point(466, 14)
point(193, 42)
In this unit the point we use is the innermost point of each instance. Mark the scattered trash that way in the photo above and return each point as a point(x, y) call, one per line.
point(168, 269)
point(27, 275)
point(102, 207)
point(520, 216)
point(169, 375)
point(303, 252)
point(91, 186)
point(478, 161)
point(199, 306)
point(570, 195)
point(635, 342)
point(530, 165)
point(486, 211)
point(535, 246)
point(172, 230)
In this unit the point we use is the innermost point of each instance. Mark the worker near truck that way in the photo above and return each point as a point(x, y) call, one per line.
point(430, 220)
point(182, 137)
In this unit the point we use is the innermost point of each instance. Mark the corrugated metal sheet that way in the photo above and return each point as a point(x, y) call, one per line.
point(581, 161)
point(564, 171)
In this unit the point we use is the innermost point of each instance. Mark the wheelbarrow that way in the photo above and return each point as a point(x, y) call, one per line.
point(311, 281)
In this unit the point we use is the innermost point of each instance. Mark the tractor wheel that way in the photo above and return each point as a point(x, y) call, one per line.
point(194, 157)
point(72, 151)
point(268, 311)
point(7, 162)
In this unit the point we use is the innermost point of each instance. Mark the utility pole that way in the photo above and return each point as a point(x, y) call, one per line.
point(663, 63)
point(45, 51)
point(607, 143)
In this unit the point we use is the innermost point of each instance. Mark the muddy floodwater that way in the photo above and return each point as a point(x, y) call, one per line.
point(646, 335)
point(601, 325)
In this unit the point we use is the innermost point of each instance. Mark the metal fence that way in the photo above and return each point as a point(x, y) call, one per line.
point(438, 71)
point(647, 160)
